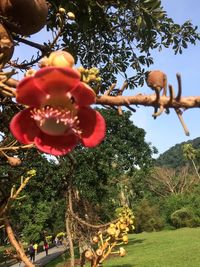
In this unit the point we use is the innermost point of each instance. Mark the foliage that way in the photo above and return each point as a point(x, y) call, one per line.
point(174, 203)
point(147, 217)
point(104, 171)
point(40, 206)
point(43, 205)
point(116, 35)
point(184, 217)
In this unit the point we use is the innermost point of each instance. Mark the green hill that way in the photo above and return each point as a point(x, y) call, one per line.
point(173, 157)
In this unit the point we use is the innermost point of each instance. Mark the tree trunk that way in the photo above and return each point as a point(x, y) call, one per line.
point(122, 196)
point(194, 165)
point(68, 228)
point(16, 245)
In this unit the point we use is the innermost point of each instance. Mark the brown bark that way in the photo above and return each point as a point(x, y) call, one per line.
point(16, 245)
point(68, 228)
point(150, 100)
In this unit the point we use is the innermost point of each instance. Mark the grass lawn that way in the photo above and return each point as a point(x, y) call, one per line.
point(174, 248)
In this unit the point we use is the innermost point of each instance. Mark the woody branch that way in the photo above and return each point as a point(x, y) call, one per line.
point(140, 99)
point(150, 101)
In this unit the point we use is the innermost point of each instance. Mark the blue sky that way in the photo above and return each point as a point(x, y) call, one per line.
point(166, 130)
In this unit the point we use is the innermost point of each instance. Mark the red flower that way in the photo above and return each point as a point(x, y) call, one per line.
point(59, 115)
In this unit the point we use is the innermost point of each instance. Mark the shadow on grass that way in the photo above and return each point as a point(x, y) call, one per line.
point(124, 265)
point(135, 241)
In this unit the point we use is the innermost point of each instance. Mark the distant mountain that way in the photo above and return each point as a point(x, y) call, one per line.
point(173, 157)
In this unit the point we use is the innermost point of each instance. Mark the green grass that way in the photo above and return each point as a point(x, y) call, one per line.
point(58, 262)
point(174, 248)
point(162, 249)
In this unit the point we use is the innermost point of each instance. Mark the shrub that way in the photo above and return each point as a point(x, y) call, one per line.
point(147, 217)
point(184, 217)
point(187, 203)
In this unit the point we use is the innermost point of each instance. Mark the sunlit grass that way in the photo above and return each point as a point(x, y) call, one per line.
point(162, 249)
point(177, 248)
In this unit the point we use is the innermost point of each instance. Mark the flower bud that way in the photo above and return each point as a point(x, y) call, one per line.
point(111, 231)
point(70, 15)
point(125, 239)
point(31, 172)
point(156, 79)
point(122, 252)
point(89, 254)
point(13, 161)
point(122, 226)
point(95, 239)
point(99, 252)
point(61, 59)
point(30, 72)
point(44, 62)
point(131, 221)
point(61, 10)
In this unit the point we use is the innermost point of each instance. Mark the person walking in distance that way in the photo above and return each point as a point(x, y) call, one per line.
point(46, 247)
point(35, 246)
point(31, 251)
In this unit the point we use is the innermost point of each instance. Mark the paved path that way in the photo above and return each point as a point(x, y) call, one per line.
point(41, 259)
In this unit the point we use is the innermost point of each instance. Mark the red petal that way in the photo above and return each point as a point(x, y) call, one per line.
point(55, 145)
point(84, 95)
point(23, 127)
point(28, 93)
point(92, 125)
point(57, 80)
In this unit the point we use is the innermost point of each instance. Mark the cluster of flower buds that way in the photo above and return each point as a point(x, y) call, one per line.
point(62, 11)
point(89, 75)
point(115, 235)
point(119, 231)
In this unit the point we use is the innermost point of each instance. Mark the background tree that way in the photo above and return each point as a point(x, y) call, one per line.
point(120, 155)
point(189, 153)
point(166, 181)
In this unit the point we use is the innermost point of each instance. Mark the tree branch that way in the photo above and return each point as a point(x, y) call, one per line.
point(16, 245)
point(149, 101)
point(40, 47)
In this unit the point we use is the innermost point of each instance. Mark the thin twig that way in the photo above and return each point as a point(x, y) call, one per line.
point(112, 87)
point(81, 221)
point(171, 93)
point(178, 76)
point(120, 92)
point(177, 110)
point(179, 114)
point(16, 147)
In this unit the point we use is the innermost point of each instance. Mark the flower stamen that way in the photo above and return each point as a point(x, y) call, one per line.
point(56, 120)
